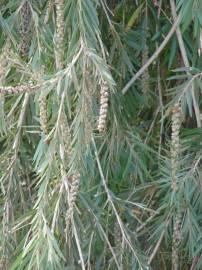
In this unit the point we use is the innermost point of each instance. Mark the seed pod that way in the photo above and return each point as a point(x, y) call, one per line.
point(19, 89)
point(175, 149)
point(4, 65)
point(72, 199)
point(104, 93)
point(75, 178)
point(4, 58)
point(25, 27)
point(43, 114)
point(175, 143)
point(59, 35)
point(66, 137)
point(176, 242)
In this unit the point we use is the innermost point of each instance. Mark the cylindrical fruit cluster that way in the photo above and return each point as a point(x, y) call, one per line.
point(175, 143)
point(25, 27)
point(43, 114)
point(104, 98)
point(59, 38)
point(72, 198)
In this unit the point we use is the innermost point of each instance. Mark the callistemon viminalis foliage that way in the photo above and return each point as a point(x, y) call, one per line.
point(25, 28)
point(59, 52)
point(175, 150)
point(104, 97)
point(43, 98)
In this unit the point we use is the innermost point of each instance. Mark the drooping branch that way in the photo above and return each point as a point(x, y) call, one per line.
point(19, 89)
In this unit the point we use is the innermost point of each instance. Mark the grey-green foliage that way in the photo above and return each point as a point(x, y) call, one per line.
point(125, 207)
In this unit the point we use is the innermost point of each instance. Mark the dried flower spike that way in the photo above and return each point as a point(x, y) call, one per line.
point(175, 143)
point(175, 149)
point(104, 97)
point(4, 58)
point(176, 242)
point(72, 199)
point(43, 114)
point(25, 37)
point(66, 137)
point(59, 38)
point(18, 89)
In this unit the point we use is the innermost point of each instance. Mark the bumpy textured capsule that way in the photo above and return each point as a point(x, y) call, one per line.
point(175, 143)
point(4, 63)
point(72, 199)
point(175, 149)
point(104, 98)
point(25, 28)
point(43, 114)
point(18, 89)
point(59, 36)
point(176, 242)
point(4, 57)
point(66, 136)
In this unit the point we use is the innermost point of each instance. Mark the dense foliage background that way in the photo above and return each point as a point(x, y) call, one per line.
point(100, 134)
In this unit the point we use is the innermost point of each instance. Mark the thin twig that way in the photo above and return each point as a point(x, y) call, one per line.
point(154, 56)
point(195, 262)
point(158, 244)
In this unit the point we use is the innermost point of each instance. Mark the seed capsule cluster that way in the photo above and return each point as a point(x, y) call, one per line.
point(104, 98)
point(43, 114)
point(4, 58)
point(18, 89)
point(176, 242)
point(175, 148)
point(66, 137)
point(4, 64)
point(175, 143)
point(25, 27)
point(59, 38)
point(59, 41)
point(72, 199)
